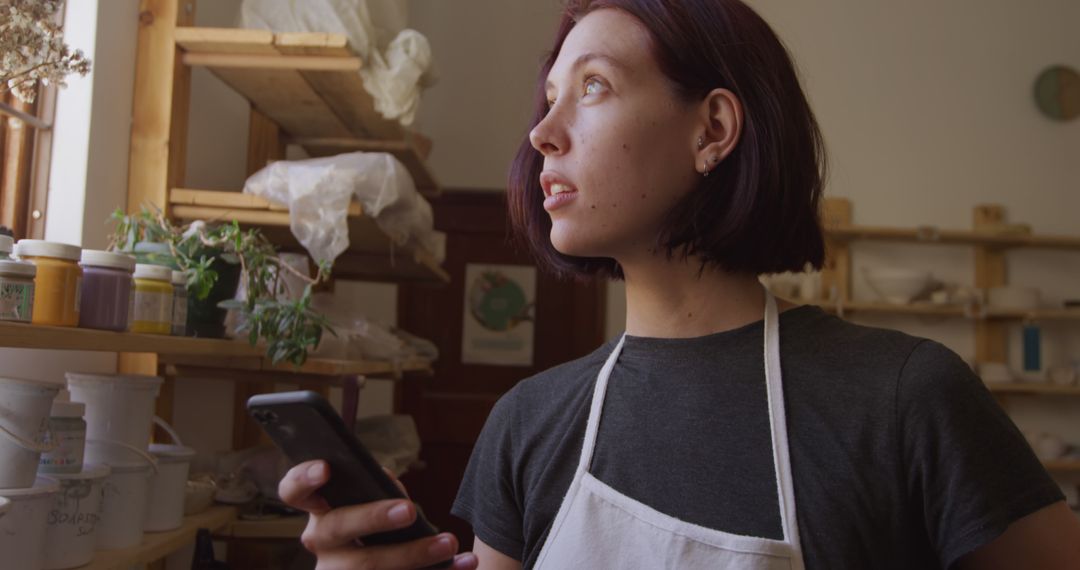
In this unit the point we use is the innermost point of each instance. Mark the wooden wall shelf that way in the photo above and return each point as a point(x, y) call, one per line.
point(936, 236)
point(190, 352)
point(307, 83)
point(920, 309)
point(371, 255)
point(1063, 466)
point(1033, 389)
point(156, 545)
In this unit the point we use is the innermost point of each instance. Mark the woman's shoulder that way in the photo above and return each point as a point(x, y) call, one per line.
point(559, 385)
point(842, 354)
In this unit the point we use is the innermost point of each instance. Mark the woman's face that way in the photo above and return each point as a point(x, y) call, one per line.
point(618, 143)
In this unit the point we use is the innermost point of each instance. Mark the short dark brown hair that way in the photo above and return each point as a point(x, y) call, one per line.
point(758, 211)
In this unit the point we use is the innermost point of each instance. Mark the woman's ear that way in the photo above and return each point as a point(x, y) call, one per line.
point(722, 118)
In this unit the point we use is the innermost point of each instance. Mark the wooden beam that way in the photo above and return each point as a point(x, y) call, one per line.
point(265, 143)
point(991, 336)
point(836, 274)
point(159, 113)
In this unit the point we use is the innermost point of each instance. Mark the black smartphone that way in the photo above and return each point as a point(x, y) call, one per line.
point(305, 426)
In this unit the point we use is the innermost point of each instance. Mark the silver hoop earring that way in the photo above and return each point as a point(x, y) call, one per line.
point(704, 168)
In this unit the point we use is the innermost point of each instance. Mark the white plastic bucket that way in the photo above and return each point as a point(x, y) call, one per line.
point(22, 529)
point(76, 512)
point(24, 420)
point(165, 505)
point(119, 411)
point(124, 505)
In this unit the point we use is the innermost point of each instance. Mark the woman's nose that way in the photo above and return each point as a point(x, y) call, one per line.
point(548, 137)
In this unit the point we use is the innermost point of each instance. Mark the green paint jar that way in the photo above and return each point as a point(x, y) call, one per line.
point(16, 290)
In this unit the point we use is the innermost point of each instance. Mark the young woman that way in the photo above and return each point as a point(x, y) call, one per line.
point(674, 148)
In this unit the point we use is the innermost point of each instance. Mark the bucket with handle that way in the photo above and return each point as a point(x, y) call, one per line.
point(125, 493)
point(24, 421)
point(22, 529)
point(119, 411)
point(72, 524)
point(165, 505)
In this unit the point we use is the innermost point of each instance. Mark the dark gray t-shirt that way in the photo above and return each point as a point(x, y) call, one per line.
point(900, 456)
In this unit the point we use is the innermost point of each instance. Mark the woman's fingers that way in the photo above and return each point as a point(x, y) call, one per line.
point(298, 488)
point(415, 554)
point(340, 527)
point(466, 561)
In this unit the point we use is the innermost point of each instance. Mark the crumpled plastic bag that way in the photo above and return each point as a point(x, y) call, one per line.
point(394, 71)
point(360, 338)
point(318, 191)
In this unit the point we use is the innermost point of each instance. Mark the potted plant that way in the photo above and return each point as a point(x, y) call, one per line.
point(215, 257)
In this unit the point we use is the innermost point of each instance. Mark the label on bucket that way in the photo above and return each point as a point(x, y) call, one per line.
point(76, 508)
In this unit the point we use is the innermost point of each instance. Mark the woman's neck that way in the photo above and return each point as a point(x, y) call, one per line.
point(674, 299)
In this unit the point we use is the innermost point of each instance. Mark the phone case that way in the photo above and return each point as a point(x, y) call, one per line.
point(306, 427)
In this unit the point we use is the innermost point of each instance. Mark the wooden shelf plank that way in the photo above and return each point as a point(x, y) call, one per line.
point(192, 352)
point(371, 255)
point(960, 311)
point(1031, 388)
point(914, 309)
point(284, 527)
point(307, 83)
point(1062, 314)
point(314, 366)
point(931, 235)
point(156, 545)
point(1061, 466)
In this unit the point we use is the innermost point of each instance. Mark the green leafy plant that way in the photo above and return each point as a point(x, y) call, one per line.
point(289, 328)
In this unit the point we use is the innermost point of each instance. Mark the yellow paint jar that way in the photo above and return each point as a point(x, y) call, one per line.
point(56, 286)
point(153, 299)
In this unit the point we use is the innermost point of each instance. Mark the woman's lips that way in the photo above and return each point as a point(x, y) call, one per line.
point(559, 199)
point(557, 190)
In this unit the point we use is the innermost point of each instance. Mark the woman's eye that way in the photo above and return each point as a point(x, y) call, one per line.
point(593, 86)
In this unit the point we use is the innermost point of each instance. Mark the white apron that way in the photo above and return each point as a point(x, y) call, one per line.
point(598, 527)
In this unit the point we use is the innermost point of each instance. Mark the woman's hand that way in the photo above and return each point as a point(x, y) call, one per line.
point(331, 533)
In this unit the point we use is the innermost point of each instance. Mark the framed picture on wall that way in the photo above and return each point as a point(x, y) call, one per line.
point(500, 307)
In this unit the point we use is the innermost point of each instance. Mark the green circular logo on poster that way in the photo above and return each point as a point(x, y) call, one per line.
point(497, 302)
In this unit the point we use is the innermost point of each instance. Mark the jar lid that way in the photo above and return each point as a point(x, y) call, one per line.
point(65, 409)
point(110, 259)
point(12, 267)
point(42, 248)
point(179, 278)
point(153, 272)
point(7, 243)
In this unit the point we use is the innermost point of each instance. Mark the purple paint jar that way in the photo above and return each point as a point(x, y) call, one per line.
point(106, 290)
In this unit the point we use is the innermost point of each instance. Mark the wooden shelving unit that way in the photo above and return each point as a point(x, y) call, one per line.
point(303, 89)
point(372, 255)
point(1033, 389)
point(156, 545)
point(309, 85)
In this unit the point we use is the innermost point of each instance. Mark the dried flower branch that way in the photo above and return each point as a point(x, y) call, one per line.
point(32, 48)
